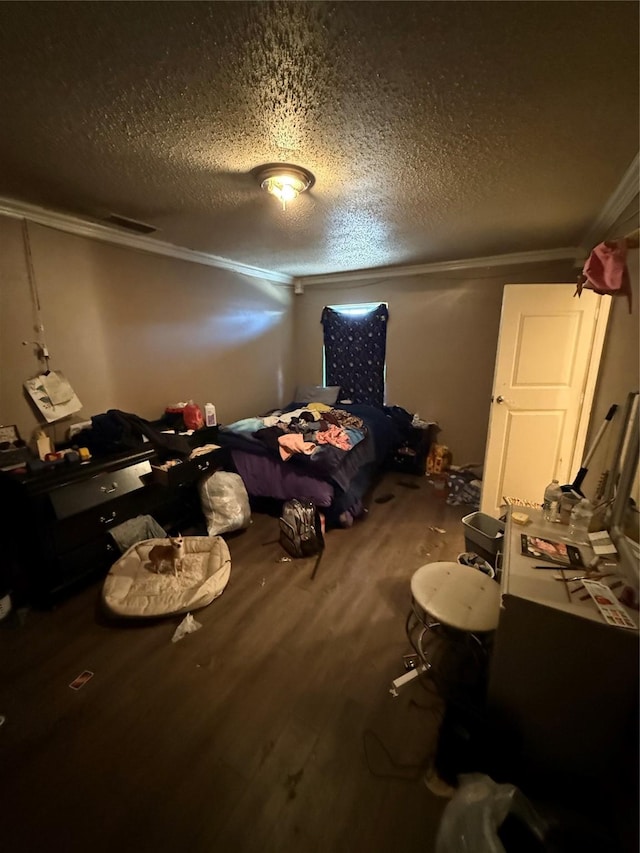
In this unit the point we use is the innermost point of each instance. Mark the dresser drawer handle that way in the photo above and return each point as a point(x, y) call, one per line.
point(108, 489)
point(107, 519)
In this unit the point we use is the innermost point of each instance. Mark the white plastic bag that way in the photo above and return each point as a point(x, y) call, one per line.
point(225, 502)
point(187, 626)
point(479, 807)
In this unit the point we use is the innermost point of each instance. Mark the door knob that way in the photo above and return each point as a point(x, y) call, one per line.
point(500, 399)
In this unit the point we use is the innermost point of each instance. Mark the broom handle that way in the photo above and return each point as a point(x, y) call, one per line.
point(582, 473)
point(596, 440)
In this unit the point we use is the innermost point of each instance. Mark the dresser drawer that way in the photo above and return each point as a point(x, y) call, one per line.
point(184, 473)
point(102, 488)
point(89, 561)
point(82, 527)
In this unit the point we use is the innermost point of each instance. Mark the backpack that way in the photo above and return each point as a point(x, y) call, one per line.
point(301, 528)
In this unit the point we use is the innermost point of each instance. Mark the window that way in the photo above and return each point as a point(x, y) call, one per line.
point(355, 340)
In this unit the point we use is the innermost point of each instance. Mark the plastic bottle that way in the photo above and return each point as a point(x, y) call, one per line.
point(551, 502)
point(210, 415)
point(580, 520)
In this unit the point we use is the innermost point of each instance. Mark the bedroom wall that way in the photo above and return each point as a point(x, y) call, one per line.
point(136, 331)
point(441, 342)
point(620, 364)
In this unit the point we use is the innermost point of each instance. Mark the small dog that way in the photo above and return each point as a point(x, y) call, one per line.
point(171, 554)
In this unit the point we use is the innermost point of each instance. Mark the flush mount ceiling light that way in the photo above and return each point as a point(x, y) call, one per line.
point(284, 181)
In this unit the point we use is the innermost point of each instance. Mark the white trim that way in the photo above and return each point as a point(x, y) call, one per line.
point(597, 345)
point(615, 206)
point(107, 234)
point(539, 256)
point(355, 309)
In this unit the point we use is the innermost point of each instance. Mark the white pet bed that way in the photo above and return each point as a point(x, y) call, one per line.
point(131, 589)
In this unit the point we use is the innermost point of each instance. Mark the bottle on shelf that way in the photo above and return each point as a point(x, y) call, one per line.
point(210, 418)
point(551, 502)
point(580, 520)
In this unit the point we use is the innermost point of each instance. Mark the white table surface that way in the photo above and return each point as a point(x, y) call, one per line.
point(520, 579)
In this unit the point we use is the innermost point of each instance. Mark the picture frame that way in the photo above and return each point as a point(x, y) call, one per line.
point(550, 550)
point(9, 437)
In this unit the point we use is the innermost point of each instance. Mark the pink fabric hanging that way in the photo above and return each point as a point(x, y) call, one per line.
point(605, 270)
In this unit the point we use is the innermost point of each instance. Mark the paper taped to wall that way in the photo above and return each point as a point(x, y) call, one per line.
point(53, 395)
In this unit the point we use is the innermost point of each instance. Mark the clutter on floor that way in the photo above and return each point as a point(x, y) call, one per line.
point(187, 626)
point(460, 484)
point(477, 811)
point(464, 486)
point(439, 459)
point(408, 484)
point(80, 680)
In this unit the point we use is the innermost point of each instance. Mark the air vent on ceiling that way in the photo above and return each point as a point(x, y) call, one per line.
point(131, 224)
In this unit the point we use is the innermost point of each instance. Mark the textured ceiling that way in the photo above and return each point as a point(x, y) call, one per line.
point(435, 131)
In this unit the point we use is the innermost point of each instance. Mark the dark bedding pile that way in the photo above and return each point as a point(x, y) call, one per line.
point(371, 432)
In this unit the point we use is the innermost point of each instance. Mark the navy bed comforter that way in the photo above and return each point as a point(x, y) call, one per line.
point(330, 476)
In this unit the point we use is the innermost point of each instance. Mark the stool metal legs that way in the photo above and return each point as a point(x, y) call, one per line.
point(450, 651)
point(418, 617)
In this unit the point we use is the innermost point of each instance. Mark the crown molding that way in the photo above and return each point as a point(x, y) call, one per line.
point(570, 253)
point(106, 234)
point(615, 206)
point(621, 198)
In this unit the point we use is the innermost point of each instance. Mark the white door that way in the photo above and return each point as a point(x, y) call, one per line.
point(548, 354)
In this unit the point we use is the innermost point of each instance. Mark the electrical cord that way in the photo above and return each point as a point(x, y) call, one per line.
point(417, 768)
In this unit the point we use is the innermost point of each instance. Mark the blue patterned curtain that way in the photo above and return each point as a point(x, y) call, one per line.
point(355, 351)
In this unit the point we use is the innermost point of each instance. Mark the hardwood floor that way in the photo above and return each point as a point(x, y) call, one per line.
point(270, 729)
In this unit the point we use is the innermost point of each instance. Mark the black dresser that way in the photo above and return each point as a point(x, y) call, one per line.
point(57, 522)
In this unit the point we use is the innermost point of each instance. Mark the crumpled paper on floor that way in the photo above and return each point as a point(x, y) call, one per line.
point(187, 626)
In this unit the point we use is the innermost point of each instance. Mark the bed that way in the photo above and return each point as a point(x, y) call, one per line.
point(327, 454)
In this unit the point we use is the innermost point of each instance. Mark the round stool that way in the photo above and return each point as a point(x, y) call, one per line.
point(453, 600)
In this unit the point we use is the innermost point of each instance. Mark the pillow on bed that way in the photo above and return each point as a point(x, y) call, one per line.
point(317, 394)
